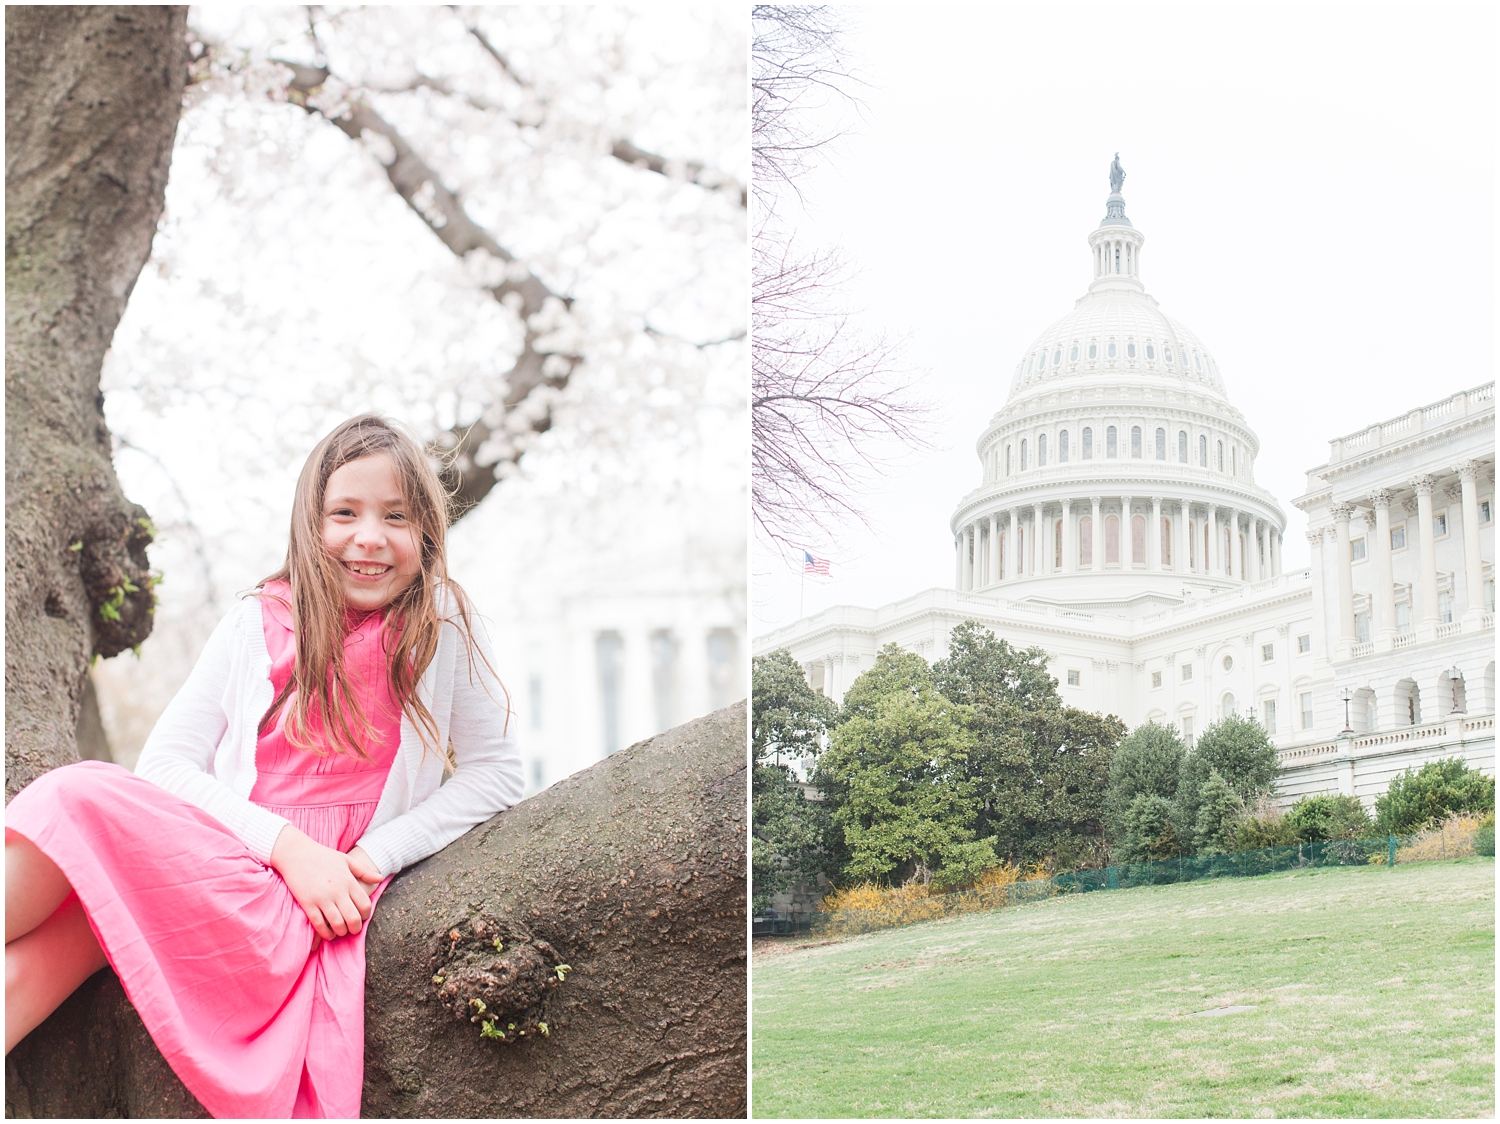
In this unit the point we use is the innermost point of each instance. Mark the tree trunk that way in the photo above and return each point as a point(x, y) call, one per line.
point(627, 879)
point(92, 99)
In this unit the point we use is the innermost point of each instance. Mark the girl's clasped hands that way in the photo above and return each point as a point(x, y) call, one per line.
point(332, 888)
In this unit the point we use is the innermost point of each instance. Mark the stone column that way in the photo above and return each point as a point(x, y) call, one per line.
point(1273, 545)
point(1427, 577)
point(1319, 594)
point(1236, 547)
point(1213, 560)
point(1096, 532)
point(1468, 474)
point(994, 548)
point(1153, 536)
point(1180, 545)
point(968, 556)
point(1345, 571)
point(1127, 540)
point(1039, 541)
point(1070, 552)
point(1384, 593)
point(1013, 563)
point(958, 561)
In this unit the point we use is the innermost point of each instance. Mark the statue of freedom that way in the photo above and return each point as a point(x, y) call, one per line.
point(1116, 175)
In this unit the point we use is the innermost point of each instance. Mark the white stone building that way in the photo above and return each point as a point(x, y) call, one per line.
point(1117, 525)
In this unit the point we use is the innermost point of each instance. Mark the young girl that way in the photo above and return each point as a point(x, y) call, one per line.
point(228, 880)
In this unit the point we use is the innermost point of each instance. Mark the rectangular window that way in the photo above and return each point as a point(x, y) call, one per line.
point(1187, 672)
point(1135, 441)
point(1267, 653)
point(1357, 550)
point(1187, 728)
point(1111, 443)
point(1398, 537)
point(1088, 443)
point(1439, 525)
point(1307, 712)
point(1156, 679)
point(1361, 628)
point(1269, 707)
point(1445, 608)
point(1484, 511)
point(1403, 617)
point(1304, 643)
point(1073, 678)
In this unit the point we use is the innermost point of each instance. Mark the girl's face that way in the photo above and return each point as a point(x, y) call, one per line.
point(366, 531)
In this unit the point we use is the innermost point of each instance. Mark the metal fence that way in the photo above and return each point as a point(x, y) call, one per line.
point(769, 923)
point(1192, 868)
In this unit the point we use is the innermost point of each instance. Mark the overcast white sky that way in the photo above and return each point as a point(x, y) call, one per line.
point(1316, 185)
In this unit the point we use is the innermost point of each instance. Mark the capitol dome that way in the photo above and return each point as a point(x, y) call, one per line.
point(1118, 472)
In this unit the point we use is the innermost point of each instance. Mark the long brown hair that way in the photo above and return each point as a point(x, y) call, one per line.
point(319, 683)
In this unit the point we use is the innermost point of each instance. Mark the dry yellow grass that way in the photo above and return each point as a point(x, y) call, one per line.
point(1453, 838)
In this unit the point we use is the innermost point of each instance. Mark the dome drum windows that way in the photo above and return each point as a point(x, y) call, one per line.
point(1167, 354)
point(1130, 350)
point(1182, 446)
point(1041, 451)
point(1093, 349)
point(1220, 446)
point(1111, 443)
point(1138, 540)
point(1007, 460)
point(1111, 540)
point(1073, 355)
point(1062, 447)
point(1161, 444)
point(1023, 454)
point(1111, 350)
point(1202, 452)
point(1057, 357)
point(1150, 351)
point(1135, 441)
point(1088, 443)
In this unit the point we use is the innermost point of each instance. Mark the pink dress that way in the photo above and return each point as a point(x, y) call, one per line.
point(257, 1016)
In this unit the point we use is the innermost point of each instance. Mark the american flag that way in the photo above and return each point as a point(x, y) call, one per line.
point(811, 565)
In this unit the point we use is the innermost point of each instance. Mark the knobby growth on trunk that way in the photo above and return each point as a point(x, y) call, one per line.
point(627, 880)
point(92, 100)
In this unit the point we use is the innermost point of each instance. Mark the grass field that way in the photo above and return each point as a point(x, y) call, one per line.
point(1371, 993)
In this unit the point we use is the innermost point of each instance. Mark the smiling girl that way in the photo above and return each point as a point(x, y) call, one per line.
point(229, 879)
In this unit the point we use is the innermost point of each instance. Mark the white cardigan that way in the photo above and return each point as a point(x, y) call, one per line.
point(203, 746)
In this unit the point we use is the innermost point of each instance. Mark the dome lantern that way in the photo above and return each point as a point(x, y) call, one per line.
point(1115, 243)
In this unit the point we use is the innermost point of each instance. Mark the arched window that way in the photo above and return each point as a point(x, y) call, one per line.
point(1088, 443)
point(1166, 542)
point(1007, 460)
point(1161, 444)
point(1197, 364)
point(1057, 545)
point(1041, 451)
point(1167, 354)
point(1111, 349)
point(1062, 447)
point(1150, 352)
point(1111, 444)
point(1073, 355)
point(1023, 454)
point(1138, 540)
point(1221, 455)
point(1135, 441)
point(1057, 357)
point(1111, 539)
point(1234, 460)
point(1182, 446)
point(1031, 366)
point(1228, 710)
point(1086, 541)
point(1093, 350)
point(1202, 451)
point(1130, 350)
point(1042, 362)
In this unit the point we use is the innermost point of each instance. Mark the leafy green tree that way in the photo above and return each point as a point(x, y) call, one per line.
point(896, 771)
point(1220, 810)
point(1147, 832)
point(1149, 762)
point(792, 838)
point(1040, 768)
point(1257, 832)
point(981, 667)
point(1436, 789)
point(964, 862)
point(787, 717)
point(1320, 819)
point(1239, 750)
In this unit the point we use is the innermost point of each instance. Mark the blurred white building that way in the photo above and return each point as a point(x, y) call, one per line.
point(1118, 526)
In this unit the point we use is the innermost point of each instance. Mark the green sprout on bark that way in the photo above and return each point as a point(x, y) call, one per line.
point(562, 970)
point(110, 610)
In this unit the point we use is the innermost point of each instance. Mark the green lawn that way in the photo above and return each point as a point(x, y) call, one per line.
point(1373, 994)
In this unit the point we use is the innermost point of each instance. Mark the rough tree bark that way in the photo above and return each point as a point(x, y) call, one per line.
point(628, 879)
point(92, 99)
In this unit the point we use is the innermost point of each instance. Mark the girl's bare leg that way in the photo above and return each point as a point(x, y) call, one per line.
point(34, 886)
point(45, 966)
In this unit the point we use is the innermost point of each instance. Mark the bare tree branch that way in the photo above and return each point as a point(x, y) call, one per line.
point(691, 171)
point(829, 406)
